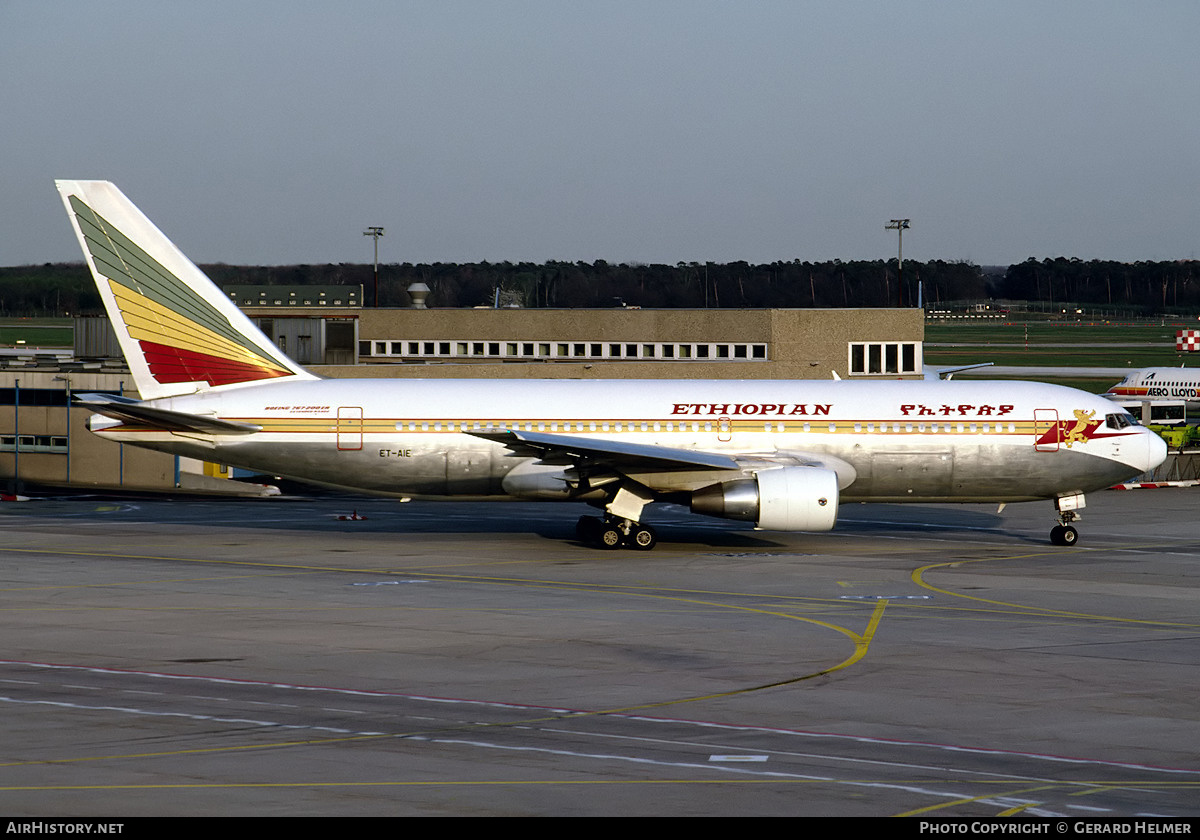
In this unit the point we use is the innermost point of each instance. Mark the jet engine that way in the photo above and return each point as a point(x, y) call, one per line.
point(781, 499)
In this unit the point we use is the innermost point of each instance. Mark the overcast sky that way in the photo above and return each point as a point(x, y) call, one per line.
point(275, 132)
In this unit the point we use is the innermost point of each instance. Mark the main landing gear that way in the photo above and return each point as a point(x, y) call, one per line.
point(620, 526)
point(1064, 532)
point(615, 532)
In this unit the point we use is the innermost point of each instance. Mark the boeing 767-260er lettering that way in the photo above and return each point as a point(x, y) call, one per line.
point(779, 454)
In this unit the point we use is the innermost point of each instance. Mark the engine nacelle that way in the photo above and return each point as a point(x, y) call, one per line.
point(551, 482)
point(535, 480)
point(783, 499)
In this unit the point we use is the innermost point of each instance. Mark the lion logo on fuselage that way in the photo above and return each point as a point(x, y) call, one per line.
point(1078, 432)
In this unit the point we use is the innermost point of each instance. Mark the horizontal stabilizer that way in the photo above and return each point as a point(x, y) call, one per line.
point(948, 372)
point(138, 413)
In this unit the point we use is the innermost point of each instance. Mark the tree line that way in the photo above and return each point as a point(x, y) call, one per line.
point(66, 288)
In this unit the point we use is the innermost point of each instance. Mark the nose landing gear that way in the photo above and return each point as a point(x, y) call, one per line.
point(1064, 532)
point(1064, 535)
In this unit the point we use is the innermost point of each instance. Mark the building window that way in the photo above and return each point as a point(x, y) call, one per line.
point(881, 358)
point(46, 444)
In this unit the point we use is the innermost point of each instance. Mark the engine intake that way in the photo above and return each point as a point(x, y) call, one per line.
point(783, 499)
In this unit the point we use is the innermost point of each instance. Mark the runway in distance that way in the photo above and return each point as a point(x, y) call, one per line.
point(779, 454)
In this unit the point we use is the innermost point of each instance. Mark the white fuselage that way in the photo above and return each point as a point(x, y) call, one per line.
point(902, 440)
point(1158, 384)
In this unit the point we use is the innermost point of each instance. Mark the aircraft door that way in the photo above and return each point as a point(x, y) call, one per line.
point(1045, 430)
point(350, 427)
point(724, 429)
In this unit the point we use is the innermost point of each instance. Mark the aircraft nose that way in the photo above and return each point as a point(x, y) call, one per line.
point(1156, 451)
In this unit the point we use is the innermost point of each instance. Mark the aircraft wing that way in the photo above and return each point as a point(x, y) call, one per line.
point(639, 458)
point(568, 449)
point(139, 413)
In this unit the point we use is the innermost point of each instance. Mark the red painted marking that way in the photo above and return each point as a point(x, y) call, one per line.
point(173, 364)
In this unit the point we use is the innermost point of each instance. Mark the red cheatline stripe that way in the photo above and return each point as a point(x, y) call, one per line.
point(172, 364)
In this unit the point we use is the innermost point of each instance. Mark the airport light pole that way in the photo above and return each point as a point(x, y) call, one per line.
point(899, 225)
point(375, 233)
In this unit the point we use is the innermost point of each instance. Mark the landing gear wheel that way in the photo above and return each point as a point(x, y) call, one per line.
point(1064, 535)
point(643, 538)
point(609, 536)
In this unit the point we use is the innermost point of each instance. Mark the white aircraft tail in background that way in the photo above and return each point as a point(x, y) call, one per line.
point(779, 454)
point(177, 336)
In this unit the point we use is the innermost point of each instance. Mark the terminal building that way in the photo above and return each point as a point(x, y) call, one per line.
point(44, 443)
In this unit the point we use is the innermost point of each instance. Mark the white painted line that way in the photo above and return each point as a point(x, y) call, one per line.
point(388, 582)
point(737, 758)
point(884, 597)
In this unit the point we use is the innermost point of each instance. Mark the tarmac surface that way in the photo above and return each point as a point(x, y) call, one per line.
point(261, 657)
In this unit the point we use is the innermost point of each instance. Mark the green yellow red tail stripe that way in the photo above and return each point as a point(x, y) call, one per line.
point(180, 332)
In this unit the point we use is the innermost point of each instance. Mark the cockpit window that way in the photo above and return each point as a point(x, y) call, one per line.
point(1119, 421)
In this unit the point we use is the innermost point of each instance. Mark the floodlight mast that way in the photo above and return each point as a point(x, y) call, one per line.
point(375, 233)
point(899, 225)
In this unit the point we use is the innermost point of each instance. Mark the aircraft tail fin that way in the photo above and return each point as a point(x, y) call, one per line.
point(178, 331)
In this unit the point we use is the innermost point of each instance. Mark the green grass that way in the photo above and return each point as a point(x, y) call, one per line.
point(1122, 357)
point(37, 332)
point(1094, 386)
point(1056, 333)
point(1093, 344)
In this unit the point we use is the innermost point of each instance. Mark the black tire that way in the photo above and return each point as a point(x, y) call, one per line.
point(609, 537)
point(642, 538)
point(1064, 535)
point(587, 529)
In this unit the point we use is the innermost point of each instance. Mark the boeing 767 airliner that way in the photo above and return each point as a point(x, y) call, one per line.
point(779, 454)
